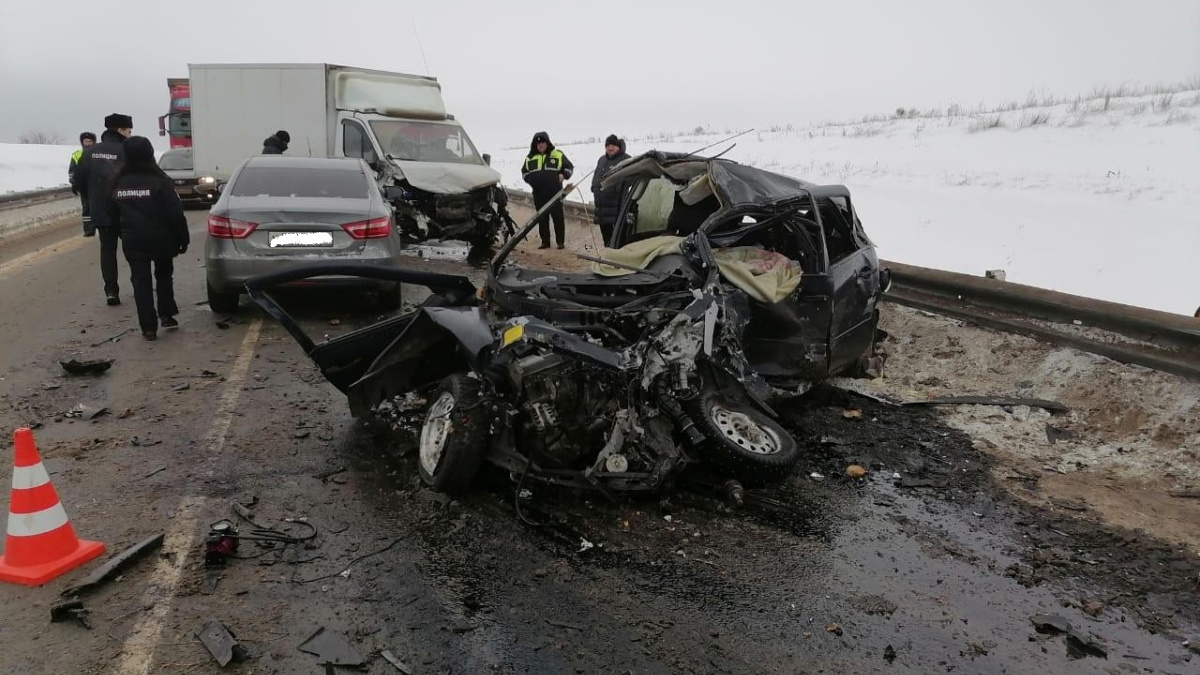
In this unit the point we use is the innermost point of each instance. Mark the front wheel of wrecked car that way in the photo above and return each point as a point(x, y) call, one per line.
point(742, 439)
point(453, 435)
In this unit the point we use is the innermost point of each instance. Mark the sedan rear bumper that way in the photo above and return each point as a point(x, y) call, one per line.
point(230, 272)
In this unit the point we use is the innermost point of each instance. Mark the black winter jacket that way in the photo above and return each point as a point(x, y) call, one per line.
point(542, 170)
point(273, 146)
point(608, 201)
point(93, 176)
point(146, 211)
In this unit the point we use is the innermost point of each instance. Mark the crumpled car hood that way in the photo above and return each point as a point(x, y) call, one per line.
point(445, 178)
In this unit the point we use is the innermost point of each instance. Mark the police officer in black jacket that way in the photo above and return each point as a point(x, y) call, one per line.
point(546, 168)
point(93, 178)
point(143, 207)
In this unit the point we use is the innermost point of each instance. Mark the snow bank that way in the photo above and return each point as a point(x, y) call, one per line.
point(1097, 198)
point(29, 167)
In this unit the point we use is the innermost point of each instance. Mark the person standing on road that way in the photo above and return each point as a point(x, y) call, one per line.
point(607, 202)
point(277, 143)
point(86, 140)
point(143, 207)
point(93, 178)
point(546, 170)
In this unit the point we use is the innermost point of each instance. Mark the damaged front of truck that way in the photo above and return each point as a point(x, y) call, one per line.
point(439, 184)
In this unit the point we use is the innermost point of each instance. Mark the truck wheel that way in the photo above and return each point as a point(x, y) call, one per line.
point(453, 436)
point(221, 302)
point(741, 439)
point(392, 298)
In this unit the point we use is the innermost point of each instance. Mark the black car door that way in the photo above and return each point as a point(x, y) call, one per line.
point(855, 282)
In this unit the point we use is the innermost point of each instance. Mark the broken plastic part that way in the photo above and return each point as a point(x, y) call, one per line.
point(221, 643)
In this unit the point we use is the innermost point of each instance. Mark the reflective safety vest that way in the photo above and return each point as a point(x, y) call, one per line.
point(551, 161)
point(76, 155)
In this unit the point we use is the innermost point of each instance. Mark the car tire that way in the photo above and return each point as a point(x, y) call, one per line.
point(453, 435)
point(392, 298)
point(221, 302)
point(741, 439)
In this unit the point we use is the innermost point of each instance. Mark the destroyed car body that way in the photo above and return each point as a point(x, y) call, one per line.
point(617, 383)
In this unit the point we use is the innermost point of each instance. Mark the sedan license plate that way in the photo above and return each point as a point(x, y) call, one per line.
point(300, 239)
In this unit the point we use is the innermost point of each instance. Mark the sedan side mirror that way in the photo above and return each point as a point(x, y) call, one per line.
point(487, 159)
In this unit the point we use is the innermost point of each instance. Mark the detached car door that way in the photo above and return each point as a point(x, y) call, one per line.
point(855, 280)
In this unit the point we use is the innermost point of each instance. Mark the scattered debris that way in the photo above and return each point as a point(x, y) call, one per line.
point(856, 471)
point(114, 565)
point(834, 628)
point(182, 387)
point(1050, 624)
point(1051, 406)
point(1070, 504)
point(154, 472)
point(86, 412)
point(889, 654)
point(221, 643)
point(144, 442)
point(585, 545)
point(220, 544)
point(115, 338)
point(1056, 434)
point(1185, 494)
point(391, 658)
point(332, 649)
point(1093, 608)
point(1080, 646)
point(816, 476)
point(70, 611)
point(76, 367)
point(852, 414)
point(304, 433)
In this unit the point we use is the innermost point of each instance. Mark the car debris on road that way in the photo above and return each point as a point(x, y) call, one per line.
point(332, 649)
point(221, 643)
point(116, 564)
point(93, 367)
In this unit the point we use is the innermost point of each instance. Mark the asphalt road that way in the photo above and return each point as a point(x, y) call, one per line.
point(832, 575)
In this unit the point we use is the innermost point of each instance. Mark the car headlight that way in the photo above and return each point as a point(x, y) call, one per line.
point(207, 180)
point(512, 334)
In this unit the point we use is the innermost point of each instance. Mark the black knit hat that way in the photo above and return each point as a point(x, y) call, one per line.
point(118, 121)
point(612, 140)
point(139, 148)
point(283, 136)
point(87, 136)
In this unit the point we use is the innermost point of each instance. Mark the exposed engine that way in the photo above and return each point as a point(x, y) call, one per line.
point(477, 216)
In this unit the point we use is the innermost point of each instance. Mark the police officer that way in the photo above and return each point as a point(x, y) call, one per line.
point(276, 143)
point(86, 140)
point(545, 170)
point(143, 207)
point(93, 178)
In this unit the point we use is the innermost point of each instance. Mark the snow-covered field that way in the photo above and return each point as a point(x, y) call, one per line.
point(1098, 198)
point(28, 167)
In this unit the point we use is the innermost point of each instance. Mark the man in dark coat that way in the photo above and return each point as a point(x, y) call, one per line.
point(93, 178)
point(86, 140)
point(277, 143)
point(546, 168)
point(143, 207)
point(607, 202)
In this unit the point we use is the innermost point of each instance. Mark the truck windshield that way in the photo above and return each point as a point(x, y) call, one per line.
point(176, 161)
point(294, 182)
point(425, 142)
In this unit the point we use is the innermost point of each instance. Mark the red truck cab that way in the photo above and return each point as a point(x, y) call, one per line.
point(177, 123)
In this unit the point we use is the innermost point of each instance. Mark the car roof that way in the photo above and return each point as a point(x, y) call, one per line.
point(282, 162)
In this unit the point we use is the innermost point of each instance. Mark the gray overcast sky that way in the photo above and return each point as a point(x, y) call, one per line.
point(589, 68)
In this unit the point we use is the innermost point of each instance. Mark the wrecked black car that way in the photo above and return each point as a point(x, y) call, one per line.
point(727, 288)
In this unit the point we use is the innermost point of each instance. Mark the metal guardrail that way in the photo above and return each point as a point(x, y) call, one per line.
point(14, 200)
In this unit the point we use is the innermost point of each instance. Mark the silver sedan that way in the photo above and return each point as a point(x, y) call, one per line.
point(277, 212)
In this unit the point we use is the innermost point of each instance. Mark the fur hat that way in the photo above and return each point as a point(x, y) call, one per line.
point(118, 121)
point(87, 136)
point(541, 137)
point(283, 136)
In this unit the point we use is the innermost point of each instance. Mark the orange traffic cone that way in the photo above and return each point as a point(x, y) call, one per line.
point(41, 543)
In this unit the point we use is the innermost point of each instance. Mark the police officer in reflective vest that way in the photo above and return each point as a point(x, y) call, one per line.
point(86, 140)
point(546, 169)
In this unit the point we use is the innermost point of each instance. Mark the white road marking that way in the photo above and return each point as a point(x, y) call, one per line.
point(34, 257)
point(137, 654)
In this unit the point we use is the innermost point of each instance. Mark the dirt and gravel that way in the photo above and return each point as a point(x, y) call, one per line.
point(966, 524)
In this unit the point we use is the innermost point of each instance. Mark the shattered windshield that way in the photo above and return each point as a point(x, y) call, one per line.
point(425, 142)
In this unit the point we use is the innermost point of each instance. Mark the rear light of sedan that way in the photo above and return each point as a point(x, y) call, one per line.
point(221, 227)
point(376, 228)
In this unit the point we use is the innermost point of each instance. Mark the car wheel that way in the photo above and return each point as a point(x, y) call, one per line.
point(222, 302)
point(742, 439)
point(391, 298)
point(453, 435)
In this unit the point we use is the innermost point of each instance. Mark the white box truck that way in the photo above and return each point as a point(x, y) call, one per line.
point(427, 166)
